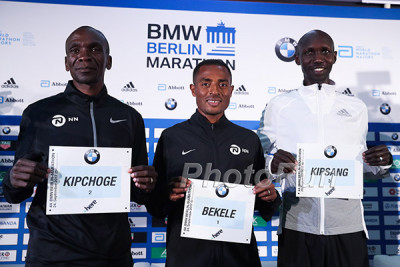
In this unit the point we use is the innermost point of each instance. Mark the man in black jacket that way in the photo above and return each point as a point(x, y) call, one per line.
point(102, 121)
point(208, 137)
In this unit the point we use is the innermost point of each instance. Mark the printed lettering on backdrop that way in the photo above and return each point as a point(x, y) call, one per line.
point(154, 53)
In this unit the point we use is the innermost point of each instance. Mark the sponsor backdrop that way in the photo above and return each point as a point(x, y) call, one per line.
point(156, 44)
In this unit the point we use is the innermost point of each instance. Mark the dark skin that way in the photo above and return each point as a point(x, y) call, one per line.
point(213, 90)
point(87, 59)
point(316, 56)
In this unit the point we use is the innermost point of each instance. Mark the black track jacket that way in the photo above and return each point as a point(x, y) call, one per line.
point(90, 239)
point(198, 141)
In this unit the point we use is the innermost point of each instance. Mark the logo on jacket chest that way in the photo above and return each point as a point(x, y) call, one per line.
point(236, 150)
point(60, 120)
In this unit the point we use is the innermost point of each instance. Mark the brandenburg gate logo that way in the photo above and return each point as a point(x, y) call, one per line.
point(223, 37)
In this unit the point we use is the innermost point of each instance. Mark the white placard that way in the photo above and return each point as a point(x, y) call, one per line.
point(218, 211)
point(329, 171)
point(88, 180)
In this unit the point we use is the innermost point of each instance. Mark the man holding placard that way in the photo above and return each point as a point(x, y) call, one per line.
point(207, 169)
point(321, 220)
point(79, 147)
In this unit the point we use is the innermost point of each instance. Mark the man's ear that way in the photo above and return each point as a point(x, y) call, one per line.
point(334, 57)
point(109, 62)
point(66, 65)
point(297, 59)
point(192, 89)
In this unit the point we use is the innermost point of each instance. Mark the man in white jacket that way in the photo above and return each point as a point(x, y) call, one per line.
point(318, 231)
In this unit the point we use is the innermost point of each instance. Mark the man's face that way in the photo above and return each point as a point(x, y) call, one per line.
point(213, 90)
point(316, 57)
point(86, 57)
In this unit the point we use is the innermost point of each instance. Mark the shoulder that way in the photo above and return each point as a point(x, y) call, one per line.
point(242, 131)
point(351, 100)
point(47, 103)
point(180, 127)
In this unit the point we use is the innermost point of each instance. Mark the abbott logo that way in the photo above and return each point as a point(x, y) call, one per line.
point(58, 120)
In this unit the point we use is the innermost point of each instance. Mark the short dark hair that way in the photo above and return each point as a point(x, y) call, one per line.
point(90, 29)
point(213, 62)
point(305, 37)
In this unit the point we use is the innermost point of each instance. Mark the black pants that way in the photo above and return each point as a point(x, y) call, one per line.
point(298, 249)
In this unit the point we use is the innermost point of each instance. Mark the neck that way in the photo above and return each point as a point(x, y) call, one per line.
point(212, 118)
point(89, 89)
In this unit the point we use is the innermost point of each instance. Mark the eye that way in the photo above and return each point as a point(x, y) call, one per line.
point(74, 50)
point(308, 53)
point(205, 84)
point(326, 52)
point(96, 49)
point(223, 85)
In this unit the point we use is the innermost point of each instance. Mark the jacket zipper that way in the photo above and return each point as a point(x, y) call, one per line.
point(93, 124)
point(321, 140)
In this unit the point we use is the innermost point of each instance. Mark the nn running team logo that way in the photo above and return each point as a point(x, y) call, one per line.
point(92, 156)
point(222, 190)
point(330, 152)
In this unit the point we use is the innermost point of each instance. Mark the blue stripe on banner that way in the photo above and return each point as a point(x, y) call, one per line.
point(241, 7)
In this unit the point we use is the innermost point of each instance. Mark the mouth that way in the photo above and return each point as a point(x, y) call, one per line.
point(213, 102)
point(318, 69)
point(85, 69)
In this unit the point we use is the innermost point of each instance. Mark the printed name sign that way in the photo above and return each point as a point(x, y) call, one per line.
point(88, 180)
point(329, 171)
point(218, 211)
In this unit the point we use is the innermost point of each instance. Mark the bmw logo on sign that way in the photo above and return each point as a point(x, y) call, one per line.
point(92, 156)
point(385, 109)
point(395, 136)
point(222, 190)
point(330, 151)
point(171, 104)
point(285, 49)
point(6, 130)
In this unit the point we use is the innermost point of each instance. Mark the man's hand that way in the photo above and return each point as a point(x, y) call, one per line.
point(378, 156)
point(178, 187)
point(265, 190)
point(27, 173)
point(283, 161)
point(144, 177)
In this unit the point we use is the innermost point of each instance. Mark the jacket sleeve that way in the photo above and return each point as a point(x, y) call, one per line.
point(157, 205)
point(370, 172)
point(268, 135)
point(266, 209)
point(139, 157)
point(24, 146)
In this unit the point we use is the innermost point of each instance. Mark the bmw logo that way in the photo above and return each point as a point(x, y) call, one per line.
point(6, 130)
point(171, 104)
point(330, 152)
point(92, 156)
point(285, 49)
point(395, 136)
point(222, 190)
point(396, 177)
point(385, 109)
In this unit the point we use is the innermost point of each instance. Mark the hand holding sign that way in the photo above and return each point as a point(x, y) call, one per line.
point(144, 177)
point(265, 190)
point(178, 187)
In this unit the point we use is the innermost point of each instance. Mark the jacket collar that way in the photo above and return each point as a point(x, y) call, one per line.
point(309, 90)
point(198, 118)
point(80, 98)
